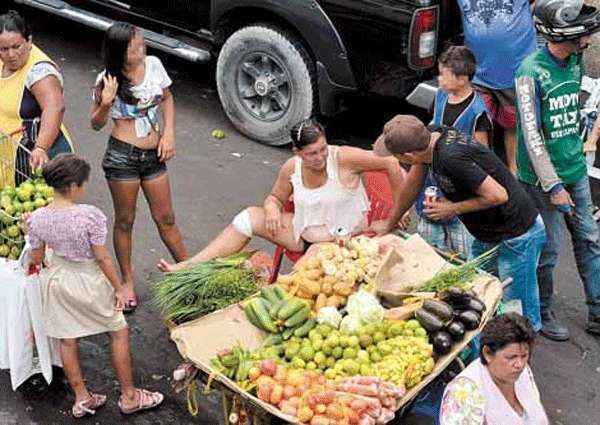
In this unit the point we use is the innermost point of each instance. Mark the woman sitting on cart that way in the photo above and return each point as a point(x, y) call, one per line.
point(31, 88)
point(328, 194)
point(498, 388)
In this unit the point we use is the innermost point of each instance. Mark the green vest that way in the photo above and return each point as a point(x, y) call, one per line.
point(558, 88)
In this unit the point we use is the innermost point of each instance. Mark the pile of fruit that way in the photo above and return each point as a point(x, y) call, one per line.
point(14, 202)
point(447, 321)
point(314, 400)
point(395, 351)
point(333, 273)
point(276, 311)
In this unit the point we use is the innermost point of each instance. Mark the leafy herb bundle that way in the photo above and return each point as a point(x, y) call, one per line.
point(209, 286)
point(458, 276)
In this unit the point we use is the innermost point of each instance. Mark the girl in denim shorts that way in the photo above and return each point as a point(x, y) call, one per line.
point(131, 90)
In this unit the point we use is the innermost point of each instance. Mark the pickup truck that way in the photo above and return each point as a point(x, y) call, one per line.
point(280, 61)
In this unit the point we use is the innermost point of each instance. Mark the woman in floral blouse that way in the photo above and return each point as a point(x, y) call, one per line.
point(498, 388)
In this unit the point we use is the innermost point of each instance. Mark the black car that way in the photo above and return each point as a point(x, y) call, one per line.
point(279, 61)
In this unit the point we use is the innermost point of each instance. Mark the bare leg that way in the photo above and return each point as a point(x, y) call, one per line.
point(231, 241)
point(121, 359)
point(69, 354)
point(124, 195)
point(510, 145)
point(158, 194)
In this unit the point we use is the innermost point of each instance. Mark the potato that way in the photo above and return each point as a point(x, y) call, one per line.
point(321, 302)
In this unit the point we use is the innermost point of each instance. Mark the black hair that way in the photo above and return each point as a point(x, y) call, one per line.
point(116, 42)
point(508, 328)
point(12, 21)
point(65, 170)
point(306, 132)
point(460, 60)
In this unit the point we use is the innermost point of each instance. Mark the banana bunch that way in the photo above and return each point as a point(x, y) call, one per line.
point(277, 312)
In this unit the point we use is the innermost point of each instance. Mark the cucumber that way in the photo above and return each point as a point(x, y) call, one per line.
point(269, 294)
point(290, 308)
point(305, 328)
point(276, 307)
point(260, 309)
point(280, 292)
point(251, 315)
point(272, 340)
point(298, 318)
point(440, 309)
point(287, 334)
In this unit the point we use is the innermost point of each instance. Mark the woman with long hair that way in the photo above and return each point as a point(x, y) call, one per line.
point(329, 194)
point(133, 90)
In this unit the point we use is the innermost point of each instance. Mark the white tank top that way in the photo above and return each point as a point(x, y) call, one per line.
point(320, 211)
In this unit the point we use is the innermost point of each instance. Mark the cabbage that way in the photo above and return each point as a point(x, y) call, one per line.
point(351, 324)
point(329, 316)
point(365, 306)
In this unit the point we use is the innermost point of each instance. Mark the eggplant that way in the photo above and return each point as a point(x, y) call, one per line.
point(442, 342)
point(439, 308)
point(429, 321)
point(470, 319)
point(456, 329)
point(471, 303)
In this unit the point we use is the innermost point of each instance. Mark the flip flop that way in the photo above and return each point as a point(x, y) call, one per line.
point(146, 400)
point(89, 406)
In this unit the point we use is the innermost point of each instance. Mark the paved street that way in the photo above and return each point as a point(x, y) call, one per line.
point(211, 181)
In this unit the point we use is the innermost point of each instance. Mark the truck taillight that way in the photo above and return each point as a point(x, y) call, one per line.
point(423, 38)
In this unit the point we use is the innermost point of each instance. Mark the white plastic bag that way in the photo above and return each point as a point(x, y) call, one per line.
point(24, 347)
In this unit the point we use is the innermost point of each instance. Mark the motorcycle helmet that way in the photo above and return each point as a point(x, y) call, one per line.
point(565, 20)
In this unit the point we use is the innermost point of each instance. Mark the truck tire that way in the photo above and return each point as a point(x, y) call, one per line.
point(265, 81)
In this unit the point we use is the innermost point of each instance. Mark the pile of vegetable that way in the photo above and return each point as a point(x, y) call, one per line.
point(458, 276)
point(366, 345)
point(209, 286)
point(333, 273)
point(447, 321)
point(276, 311)
point(314, 400)
point(27, 197)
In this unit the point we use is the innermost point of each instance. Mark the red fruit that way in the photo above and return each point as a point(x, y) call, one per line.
point(268, 367)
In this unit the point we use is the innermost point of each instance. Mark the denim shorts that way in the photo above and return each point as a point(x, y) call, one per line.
point(123, 161)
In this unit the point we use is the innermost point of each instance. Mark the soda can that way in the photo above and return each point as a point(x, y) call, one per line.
point(341, 235)
point(431, 193)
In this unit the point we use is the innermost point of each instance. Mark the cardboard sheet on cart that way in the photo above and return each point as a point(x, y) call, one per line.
point(198, 341)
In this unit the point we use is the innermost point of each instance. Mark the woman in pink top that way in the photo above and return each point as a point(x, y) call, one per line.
point(328, 192)
point(81, 291)
point(498, 388)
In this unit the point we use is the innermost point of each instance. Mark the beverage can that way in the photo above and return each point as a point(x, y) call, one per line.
point(431, 193)
point(342, 235)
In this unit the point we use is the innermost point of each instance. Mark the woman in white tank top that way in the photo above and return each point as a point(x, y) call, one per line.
point(328, 193)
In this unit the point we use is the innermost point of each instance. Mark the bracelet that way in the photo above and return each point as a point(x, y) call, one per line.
point(40, 147)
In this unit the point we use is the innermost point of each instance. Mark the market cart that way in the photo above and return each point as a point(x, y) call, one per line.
point(199, 340)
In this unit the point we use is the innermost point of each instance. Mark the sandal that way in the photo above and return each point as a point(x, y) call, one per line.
point(89, 406)
point(146, 400)
point(131, 303)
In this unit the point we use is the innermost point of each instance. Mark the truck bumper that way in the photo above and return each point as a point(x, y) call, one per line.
point(329, 92)
point(423, 95)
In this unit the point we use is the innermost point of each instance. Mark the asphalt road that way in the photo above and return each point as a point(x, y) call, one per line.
point(211, 181)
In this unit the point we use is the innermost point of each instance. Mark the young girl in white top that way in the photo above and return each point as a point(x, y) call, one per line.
point(131, 91)
point(328, 193)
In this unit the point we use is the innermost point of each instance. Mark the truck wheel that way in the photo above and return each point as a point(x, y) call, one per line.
point(265, 82)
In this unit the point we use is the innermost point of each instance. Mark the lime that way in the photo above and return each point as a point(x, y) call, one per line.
point(337, 352)
point(311, 366)
point(4, 250)
point(298, 363)
point(307, 353)
point(349, 353)
point(13, 231)
point(330, 374)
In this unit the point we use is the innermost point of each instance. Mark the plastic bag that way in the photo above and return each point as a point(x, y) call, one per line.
point(24, 347)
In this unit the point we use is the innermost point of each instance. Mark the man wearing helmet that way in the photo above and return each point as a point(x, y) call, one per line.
point(550, 158)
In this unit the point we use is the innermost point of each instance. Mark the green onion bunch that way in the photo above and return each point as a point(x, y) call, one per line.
point(187, 294)
point(459, 276)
